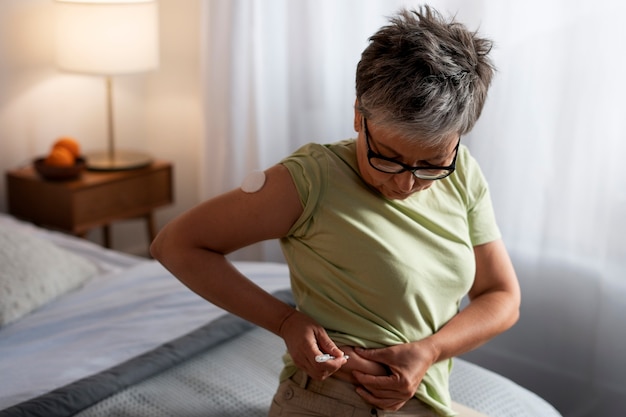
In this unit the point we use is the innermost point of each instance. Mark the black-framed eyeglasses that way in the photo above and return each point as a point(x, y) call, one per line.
point(391, 166)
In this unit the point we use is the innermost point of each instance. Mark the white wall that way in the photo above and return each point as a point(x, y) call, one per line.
point(159, 112)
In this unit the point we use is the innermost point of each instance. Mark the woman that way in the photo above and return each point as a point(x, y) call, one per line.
point(383, 234)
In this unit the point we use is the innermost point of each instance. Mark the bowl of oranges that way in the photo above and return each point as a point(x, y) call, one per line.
point(63, 162)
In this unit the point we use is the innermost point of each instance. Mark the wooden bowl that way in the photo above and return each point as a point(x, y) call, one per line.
point(56, 173)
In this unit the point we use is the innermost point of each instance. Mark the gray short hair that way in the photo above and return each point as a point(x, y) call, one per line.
point(426, 76)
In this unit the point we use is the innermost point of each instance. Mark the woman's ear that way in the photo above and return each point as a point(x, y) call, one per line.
point(358, 118)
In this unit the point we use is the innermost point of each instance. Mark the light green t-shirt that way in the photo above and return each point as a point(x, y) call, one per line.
point(377, 272)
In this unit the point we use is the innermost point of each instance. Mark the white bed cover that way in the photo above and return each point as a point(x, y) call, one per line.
point(133, 306)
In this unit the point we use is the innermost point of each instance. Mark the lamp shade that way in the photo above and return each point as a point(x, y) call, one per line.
point(107, 37)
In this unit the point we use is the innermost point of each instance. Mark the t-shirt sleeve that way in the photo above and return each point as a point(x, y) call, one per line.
point(483, 227)
point(307, 167)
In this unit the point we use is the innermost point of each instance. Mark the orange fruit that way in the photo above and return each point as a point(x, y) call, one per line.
point(60, 156)
point(70, 144)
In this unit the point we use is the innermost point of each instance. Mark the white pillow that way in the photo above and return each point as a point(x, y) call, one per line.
point(34, 271)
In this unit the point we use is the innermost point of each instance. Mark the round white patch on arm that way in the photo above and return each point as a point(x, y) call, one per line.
point(253, 182)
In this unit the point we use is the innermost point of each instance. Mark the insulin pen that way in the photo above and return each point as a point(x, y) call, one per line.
point(326, 357)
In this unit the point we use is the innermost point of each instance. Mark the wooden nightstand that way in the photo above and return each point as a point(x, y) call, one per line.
point(95, 200)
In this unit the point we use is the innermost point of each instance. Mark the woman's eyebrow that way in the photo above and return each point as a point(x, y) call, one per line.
point(387, 148)
point(442, 155)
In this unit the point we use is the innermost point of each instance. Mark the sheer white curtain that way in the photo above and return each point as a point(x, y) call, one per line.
point(551, 139)
point(280, 73)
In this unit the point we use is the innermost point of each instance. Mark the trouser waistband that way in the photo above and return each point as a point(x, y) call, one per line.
point(345, 392)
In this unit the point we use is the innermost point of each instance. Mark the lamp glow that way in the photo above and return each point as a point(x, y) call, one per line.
point(108, 38)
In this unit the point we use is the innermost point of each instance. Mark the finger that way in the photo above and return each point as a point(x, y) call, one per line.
point(325, 366)
point(320, 374)
point(327, 345)
point(376, 382)
point(382, 386)
point(322, 370)
point(376, 355)
point(391, 404)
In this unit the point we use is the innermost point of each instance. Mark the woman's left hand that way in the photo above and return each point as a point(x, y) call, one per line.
point(407, 364)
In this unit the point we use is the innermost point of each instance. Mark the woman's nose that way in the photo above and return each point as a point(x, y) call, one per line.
point(405, 181)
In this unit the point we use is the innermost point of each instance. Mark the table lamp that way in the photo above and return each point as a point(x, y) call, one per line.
point(108, 38)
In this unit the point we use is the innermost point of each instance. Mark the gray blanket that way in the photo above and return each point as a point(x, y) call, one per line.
point(75, 397)
point(230, 368)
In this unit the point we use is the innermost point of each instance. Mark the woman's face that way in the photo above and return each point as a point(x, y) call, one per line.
point(392, 145)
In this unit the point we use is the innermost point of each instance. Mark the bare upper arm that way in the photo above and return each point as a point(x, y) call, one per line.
point(494, 270)
point(236, 219)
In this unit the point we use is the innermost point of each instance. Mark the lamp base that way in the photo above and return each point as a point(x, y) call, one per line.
point(120, 161)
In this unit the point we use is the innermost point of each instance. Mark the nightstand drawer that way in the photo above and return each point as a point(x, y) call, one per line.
point(130, 197)
point(96, 199)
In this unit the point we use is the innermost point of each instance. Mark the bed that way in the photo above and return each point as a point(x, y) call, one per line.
point(87, 331)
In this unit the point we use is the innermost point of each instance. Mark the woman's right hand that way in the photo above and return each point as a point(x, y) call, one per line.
point(306, 339)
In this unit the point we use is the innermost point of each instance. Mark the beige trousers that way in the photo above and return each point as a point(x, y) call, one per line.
point(301, 396)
